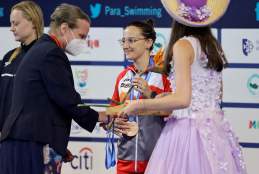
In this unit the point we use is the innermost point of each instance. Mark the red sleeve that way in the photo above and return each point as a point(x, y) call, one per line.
point(167, 87)
point(167, 84)
point(116, 95)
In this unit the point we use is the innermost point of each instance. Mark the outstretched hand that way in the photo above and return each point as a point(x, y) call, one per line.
point(132, 108)
point(103, 117)
point(120, 124)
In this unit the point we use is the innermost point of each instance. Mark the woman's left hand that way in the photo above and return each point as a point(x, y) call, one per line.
point(131, 109)
point(141, 86)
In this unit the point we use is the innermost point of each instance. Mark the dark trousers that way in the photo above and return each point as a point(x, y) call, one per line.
point(21, 157)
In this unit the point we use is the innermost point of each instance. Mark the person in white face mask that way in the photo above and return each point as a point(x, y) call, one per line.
point(44, 98)
point(76, 46)
point(69, 30)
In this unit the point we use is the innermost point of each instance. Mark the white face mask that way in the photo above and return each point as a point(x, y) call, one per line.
point(75, 46)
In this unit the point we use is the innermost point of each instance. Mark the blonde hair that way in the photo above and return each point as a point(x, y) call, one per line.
point(66, 13)
point(31, 12)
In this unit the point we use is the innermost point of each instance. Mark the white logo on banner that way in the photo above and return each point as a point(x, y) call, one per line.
point(241, 45)
point(240, 85)
point(95, 82)
point(89, 157)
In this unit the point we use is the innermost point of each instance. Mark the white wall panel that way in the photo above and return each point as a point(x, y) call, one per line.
point(241, 45)
point(95, 82)
point(241, 85)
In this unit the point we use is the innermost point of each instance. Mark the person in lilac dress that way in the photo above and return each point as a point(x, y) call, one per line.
point(197, 138)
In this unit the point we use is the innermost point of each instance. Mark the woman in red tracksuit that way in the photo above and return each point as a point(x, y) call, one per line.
point(134, 151)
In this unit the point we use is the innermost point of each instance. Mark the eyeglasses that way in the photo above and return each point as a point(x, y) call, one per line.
point(130, 41)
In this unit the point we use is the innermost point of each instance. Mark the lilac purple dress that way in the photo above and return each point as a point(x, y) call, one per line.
point(198, 139)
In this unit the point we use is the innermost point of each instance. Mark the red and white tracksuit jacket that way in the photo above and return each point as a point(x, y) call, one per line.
point(134, 152)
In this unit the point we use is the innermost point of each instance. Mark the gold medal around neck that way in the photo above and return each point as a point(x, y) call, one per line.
point(133, 130)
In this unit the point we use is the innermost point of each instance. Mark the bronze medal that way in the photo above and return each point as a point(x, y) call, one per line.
point(133, 130)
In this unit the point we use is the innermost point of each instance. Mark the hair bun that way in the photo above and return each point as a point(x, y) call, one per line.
point(150, 22)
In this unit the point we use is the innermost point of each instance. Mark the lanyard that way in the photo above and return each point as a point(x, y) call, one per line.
point(110, 160)
point(131, 94)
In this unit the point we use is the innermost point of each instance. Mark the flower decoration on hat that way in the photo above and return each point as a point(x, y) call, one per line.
point(193, 14)
point(196, 13)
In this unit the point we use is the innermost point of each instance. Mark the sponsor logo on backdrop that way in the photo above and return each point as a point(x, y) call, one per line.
point(160, 42)
point(252, 85)
point(92, 43)
point(81, 77)
point(253, 125)
point(95, 10)
point(1, 11)
point(76, 129)
point(83, 160)
point(247, 46)
point(257, 11)
point(133, 11)
point(126, 11)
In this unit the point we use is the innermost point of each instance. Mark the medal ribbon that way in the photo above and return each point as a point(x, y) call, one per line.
point(131, 94)
point(110, 160)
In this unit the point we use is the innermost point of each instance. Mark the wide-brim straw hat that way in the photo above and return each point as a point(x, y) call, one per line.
point(217, 7)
